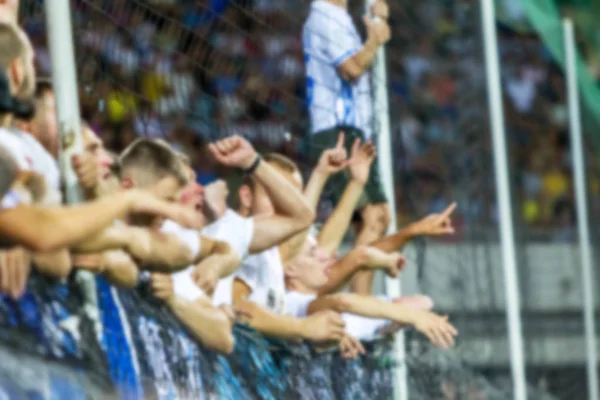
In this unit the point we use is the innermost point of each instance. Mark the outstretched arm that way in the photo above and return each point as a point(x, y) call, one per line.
point(432, 225)
point(436, 328)
point(49, 229)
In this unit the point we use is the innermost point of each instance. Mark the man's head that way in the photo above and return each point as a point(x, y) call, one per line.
point(44, 124)
point(253, 198)
point(192, 195)
point(154, 166)
point(94, 148)
point(16, 59)
point(308, 270)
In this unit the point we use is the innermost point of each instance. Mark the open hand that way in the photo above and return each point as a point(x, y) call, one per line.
point(351, 347)
point(437, 329)
point(361, 159)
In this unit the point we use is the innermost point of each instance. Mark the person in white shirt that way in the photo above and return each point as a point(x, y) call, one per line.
point(339, 99)
point(307, 273)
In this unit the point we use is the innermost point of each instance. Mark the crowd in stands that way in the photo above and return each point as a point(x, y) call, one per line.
point(181, 73)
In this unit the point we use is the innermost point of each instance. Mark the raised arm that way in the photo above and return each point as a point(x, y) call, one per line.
point(337, 224)
point(293, 212)
point(439, 331)
point(332, 161)
point(432, 225)
point(49, 229)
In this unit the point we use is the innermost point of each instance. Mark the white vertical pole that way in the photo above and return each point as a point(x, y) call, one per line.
point(381, 114)
point(64, 82)
point(583, 226)
point(507, 237)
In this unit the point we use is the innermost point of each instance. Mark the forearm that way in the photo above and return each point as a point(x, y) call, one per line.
point(342, 271)
point(270, 324)
point(227, 263)
point(396, 241)
point(366, 306)
point(164, 252)
point(365, 57)
point(314, 188)
point(111, 238)
point(286, 198)
point(56, 264)
point(337, 224)
point(120, 269)
point(49, 229)
point(206, 323)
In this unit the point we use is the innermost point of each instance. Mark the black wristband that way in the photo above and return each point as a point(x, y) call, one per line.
point(254, 165)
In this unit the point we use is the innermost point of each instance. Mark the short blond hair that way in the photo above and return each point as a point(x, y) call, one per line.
point(154, 158)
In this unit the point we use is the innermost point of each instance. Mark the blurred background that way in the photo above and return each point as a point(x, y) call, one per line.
point(193, 71)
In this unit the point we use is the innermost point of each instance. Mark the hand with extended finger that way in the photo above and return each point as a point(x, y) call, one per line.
point(333, 160)
point(435, 224)
point(361, 159)
point(234, 152)
point(437, 329)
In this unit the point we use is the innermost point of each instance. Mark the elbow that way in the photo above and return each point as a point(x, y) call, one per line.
point(306, 219)
point(228, 344)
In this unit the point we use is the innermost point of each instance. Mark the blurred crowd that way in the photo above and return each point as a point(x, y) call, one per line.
point(195, 71)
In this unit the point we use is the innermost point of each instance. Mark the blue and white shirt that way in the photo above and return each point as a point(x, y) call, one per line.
point(330, 38)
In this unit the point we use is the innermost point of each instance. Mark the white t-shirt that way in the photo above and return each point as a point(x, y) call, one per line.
point(183, 284)
point(329, 38)
point(233, 229)
point(363, 328)
point(263, 273)
point(30, 155)
point(236, 231)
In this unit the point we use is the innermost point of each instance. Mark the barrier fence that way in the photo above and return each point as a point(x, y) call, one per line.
point(51, 349)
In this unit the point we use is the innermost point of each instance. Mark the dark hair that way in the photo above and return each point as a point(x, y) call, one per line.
point(43, 85)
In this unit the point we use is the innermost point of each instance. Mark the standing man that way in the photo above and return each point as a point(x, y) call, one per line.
point(339, 99)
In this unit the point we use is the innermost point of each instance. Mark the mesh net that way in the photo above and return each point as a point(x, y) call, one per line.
point(196, 71)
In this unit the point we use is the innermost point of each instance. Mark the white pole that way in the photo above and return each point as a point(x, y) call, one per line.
point(64, 82)
point(381, 114)
point(507, 237)
point(583, 226)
